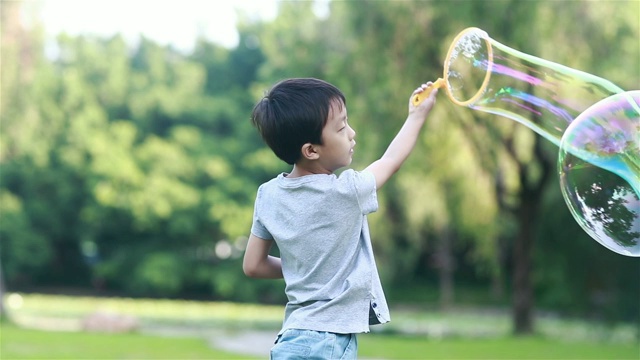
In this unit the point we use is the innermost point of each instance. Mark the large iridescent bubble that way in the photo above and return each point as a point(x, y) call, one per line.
point(549, 98)
point(599, 167)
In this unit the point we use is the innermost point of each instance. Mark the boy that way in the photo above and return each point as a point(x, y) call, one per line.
point(318, 220)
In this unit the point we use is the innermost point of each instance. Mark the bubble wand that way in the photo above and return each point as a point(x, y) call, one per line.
point(595, 123)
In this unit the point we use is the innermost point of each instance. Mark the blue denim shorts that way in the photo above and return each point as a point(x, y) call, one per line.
point(309, 344)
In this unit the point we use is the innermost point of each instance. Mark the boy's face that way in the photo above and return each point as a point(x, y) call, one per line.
point(338, 139)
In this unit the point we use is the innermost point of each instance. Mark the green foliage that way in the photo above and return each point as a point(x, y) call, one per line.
point(29, 249)
point(121, 151)
point(158, 274)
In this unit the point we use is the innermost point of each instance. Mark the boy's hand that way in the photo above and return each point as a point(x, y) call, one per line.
point(418, 100)
point(419, 96)
point(425, 95)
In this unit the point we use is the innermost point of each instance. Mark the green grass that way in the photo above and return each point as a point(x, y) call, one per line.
point(18, 343)
point(414, 333)
point(407, 347)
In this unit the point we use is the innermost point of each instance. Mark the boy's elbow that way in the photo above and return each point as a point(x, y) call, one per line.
point(250, 270)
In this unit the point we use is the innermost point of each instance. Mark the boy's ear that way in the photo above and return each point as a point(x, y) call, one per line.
point(309, 152)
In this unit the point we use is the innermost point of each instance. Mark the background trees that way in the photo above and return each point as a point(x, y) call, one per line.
point(133, 170)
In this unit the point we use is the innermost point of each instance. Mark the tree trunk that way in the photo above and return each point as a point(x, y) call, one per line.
point(527, 213)
point(497, 276)
point(446, 267)
point(523, 302)
point(3, 310)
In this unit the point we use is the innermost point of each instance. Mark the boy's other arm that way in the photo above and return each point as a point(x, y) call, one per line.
point(405, 140)
point(257, 262)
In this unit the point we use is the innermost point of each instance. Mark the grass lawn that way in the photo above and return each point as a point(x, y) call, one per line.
point(406, 347)
point(454, 335)
point(18, 343)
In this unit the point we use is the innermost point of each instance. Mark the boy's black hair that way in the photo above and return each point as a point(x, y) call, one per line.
point(293, 113)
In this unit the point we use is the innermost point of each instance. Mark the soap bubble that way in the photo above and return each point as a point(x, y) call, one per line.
point(487, 76)
point(592, 120)
point(599, 167)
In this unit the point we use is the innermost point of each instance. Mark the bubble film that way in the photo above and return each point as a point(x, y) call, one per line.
point(599, 167)
point(487, 76)
point(598, 158)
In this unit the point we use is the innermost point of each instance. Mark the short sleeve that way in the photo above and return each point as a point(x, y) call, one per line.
point(364, 185)
point(257, 227)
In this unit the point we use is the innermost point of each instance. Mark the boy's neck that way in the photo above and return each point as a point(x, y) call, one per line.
point(308, 168)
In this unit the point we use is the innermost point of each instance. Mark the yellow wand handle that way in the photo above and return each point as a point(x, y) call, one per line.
point(418, 98)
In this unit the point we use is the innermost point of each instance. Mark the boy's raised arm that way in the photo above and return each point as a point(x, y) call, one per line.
point(405, 140)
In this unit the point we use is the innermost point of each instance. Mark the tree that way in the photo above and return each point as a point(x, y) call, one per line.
point(121, 164)
point(523, 160)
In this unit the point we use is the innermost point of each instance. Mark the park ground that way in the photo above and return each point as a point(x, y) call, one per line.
point(50, 327)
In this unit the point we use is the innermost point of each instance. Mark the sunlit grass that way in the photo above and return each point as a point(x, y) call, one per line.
point(78, 305)
point(25, 307)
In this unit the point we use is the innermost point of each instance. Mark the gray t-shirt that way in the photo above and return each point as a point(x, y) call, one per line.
point(320, 226)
